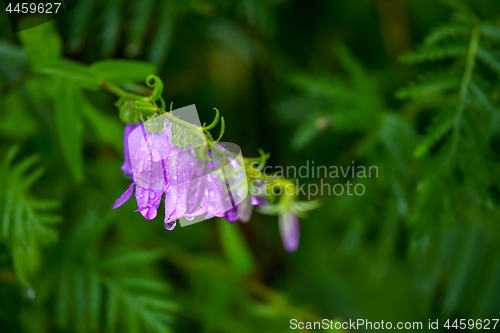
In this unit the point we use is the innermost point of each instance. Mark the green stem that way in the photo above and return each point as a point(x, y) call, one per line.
point(464, 86)
point(120, 92)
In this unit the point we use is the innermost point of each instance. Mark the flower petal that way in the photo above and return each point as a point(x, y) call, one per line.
point(245, 209)
point(196, 188)
point(127, 166)
point(232, 214)
point(148, 201)
point(124, 197)
point(289, 230)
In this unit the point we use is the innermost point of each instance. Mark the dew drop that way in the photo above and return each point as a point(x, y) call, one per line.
point(170, 225)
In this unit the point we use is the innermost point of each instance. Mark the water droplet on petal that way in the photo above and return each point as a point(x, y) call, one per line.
point(170, 225)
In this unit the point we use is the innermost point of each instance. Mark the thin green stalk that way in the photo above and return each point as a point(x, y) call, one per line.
point(120, 92)
point(464, 86)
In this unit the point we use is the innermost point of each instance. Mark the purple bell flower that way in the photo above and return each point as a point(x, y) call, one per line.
point(289, 230)
point(158, 167)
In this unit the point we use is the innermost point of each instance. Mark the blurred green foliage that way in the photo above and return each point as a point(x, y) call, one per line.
point(325, 81)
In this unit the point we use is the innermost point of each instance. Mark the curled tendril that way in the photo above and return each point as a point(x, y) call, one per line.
point(157, 86)
point(222, 129)
point(216, 120)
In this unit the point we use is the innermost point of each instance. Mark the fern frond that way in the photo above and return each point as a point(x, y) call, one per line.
point(142, 299)
point(25, 220)
point(319, 87)
point(489, 59)
point(434, 53)
point(429, 84)
point(441, 124)
point(480, 96)
point(446, 31)
point(28, 212)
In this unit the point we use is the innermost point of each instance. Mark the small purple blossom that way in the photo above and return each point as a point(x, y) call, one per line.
point(289, 230)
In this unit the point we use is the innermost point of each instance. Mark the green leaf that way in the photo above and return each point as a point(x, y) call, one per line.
point(318, 86)
point(429, 84)
point(144, 107)
point(144, 284)
point(445, 31)
point(19, 263)
point(164, 34)
point(138, 27)
point(489, 59)
point(235, 248)
point(111, 309)
point(19, 225)
point(6, 212)
point(80, 298)
point(80, 21)
point(94, 301)
point(62, 301)
point(42, 44)
point(122, 71)
point(305, 206)
point(68, 117)
point(434, 53)
point(158, 304)
point(442, 123)
point(304, 135)
point(108, 129)
point(112, 24)
point(18, 125)
point(399, 138)
point(73, 72)
point(483, 100)
point(13, 60)
point(132, 321)
point(133, 258)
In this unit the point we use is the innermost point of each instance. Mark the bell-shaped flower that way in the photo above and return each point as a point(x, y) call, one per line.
point(193, 183)
point(289, 230)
